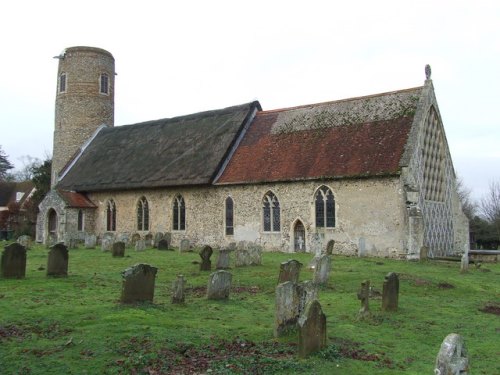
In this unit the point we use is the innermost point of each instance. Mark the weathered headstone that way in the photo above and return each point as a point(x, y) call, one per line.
point(242, 258)
point(390, 292)
point(25, 241)
point(205, 254)
point(361, 247)
point(219, 285)
point(289, 271)
point(313, 264)
point(424, 253)
point(133, 240)
point(168, 236)
point(307, 292)
point(163, 244)
point(316, 243)
point(242, 245)
point(148, 239)
point(118, 249)
point(312, 330)
point(178, 289)
point(231, 246)
point(322, 270)
point(123, 237)
point(107, 243)
point(286, 308)
point(329, 247)
point(464, 264)
point(57, 262)
point(364, 297)
point(140, 245)
point(71, 242)
point(90, 241)
point(138, 283)
point(452, 358)
point(223, 259)
point(13, 261)
point(255, 254)
point(158, 237)
point(184, 245)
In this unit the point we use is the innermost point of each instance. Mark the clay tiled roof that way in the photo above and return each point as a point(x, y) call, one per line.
point(75, 200)
point(350, 138)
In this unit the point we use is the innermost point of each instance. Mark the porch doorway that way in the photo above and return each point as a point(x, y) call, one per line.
point(52, 225)
point(299, 237)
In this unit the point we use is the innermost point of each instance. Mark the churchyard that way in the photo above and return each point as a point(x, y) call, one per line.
point(80, 315)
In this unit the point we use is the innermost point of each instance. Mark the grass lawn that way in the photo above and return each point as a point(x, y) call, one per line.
point(76, 325)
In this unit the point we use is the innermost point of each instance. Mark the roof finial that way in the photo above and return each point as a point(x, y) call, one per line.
point(427, 72)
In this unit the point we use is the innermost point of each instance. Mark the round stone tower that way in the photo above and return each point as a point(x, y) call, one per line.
point(84, 101)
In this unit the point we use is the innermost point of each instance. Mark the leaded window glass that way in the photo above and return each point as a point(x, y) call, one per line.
point(271, 213)
point(179, 214)
point(325, 208)
point(111, 216)
point(229, 217)
point(142, 214)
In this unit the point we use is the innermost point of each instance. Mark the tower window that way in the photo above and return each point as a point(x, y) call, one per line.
point(62, 82)
point(104, 84)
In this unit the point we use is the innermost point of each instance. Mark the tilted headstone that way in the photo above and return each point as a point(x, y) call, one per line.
point(107, 243)
point(184, 245)
point(255, 254)
point(13, 264)
point(329, 247)
point(312, 330)
point(179, 289)
point(140, 245)
point(223, 259)
point(322, 270)
point(219, 285)
point(364, 297)
point(390, 292)
point(289, 271)
point(90, 241)
point(25, 241)
point(286, 308)
point(57, 262)
point(138, 283)
point(163, 244)
point(242, 258)
point(133, 240)
point(452, 358)
point(464, 264)
point(158, 237)
point(123, 237)
point(307, 292)
point(205, 254)
point(118, 249)
point(149, 240)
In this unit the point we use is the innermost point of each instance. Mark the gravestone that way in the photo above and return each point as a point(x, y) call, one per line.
point(289, 271)
point(242, 245)
point(361, 247)
point(51, 240)
point(118, 249)
point(138, 283)
point(307, 292)
point(231, 246)
point(286, 308)
point(25, 241)
point(13, 265)
point(219, 285)
point(133, 240)
point(390, 292)
point(316, 244)
point(424, 253)
point(322, 270)
point(140, 245)
point(148, 240)
point(90, 241)
point(71, 242)
point(452, 358)
point(364, 297)
point(179, 289)
point(184, 246)
point(313, 264)
point(205, 254)
point(168, 237)
point(57, 263)
point(163, 244)
point(123, 237)
point(329, 247)
point(312, 330)
point(223, 259)
point(255, 254)
point(107, 244)
point(464, 264)
point(158, 237)
point(242, 258)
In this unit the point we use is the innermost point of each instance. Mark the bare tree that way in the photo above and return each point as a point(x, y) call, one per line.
point(469, 207)
point(490, 206)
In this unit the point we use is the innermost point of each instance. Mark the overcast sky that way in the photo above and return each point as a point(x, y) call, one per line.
point(179, 57)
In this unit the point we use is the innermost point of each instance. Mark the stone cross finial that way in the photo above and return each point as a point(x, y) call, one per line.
point(428, 71)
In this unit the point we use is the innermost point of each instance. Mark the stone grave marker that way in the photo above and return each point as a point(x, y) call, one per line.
point(232, 246)
point(90, 240)
point(71, 242)
point(13, 265)
point(452, 358)
point(364, 297)
point(322, 270)
point(138, 283)
point(464, 264)
point(25, 241)
point(289, 271)
point(158, 237)
point(219, 285)
point(57, 262)
point(184, 246)
point(242, 245)
point(107, 244)
point(329, 247)
point(168, 236)
point(123, 237)
point(205, 254)
point(242, 258)
point(179, 289)
point(286, 308)
point(312, 329)
point(424, 253)
point(118, 249)
point(362, 247)
point(149, 239)
point(51, 240)
point(223, 259)
point(163, 244)
point(133, 240)
point(255, 254)
point(316, 244)
point(140, 245)
point(307, 292)
point(390, 292)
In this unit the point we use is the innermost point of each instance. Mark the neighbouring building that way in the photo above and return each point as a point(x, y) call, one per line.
point(373, 173)
point(15, 216)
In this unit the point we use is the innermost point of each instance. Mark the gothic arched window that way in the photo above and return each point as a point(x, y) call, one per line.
point(179, 214)
point(325, 208)
point(80, 220)
point(229, 216)
point(142, 214)
point(110, 216)
point(271, 212)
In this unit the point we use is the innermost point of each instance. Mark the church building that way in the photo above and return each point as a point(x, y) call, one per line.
point(373, 173)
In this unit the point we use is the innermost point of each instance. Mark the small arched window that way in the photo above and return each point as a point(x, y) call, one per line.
point(80, 220)
point(271, 213)
point(142, 214)
point(325, 208)
point(104, 84)
point(62, 82)
point(229, 216)
point(111, 216)
point(179, 214)
point(52, 226)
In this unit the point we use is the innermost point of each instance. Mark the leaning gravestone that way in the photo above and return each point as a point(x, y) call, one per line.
point(178, 289)
point(390, 292)
point(90, 241)
point(289, 271)
point(57, 262)
point(312, 330)
point(163, 244)
point(223, 259)
point(364, 296)
point(13, 261)
point(329, 247)
point(452, 358)
point(219, 285)
point(286, 308)
point(138, 283)
point(118, 249)
point(140, 245)
point(184, 245)
point(322, 270)
point(25, 241)
point(158, 237)
point(205, 254)
point(307, 292)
